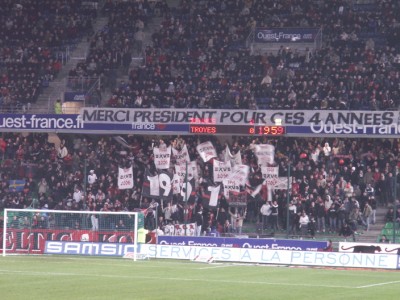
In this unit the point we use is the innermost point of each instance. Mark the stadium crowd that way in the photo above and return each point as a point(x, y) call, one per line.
point(198, 58)
point(33, 35)
point(335, 181)
point(112, 46)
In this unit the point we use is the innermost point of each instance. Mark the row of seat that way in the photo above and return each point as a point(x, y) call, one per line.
point(388, 230)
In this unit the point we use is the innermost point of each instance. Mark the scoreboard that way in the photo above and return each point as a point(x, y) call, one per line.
point(236, 129)
point(211, 126)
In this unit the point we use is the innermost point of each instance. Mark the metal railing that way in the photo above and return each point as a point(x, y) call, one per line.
point(81, 83)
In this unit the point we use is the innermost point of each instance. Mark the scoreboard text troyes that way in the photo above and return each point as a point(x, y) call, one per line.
point(210, 126)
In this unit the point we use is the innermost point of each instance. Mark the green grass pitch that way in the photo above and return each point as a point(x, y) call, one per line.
point(70, 277)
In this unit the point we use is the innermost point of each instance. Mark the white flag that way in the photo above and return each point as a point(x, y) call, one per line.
point(125, 178)
point(240, 174)
point(221, 170)
point(279, 183)
point(162, 157)
point(193, 169)
point(154, 185)
point(181, 157)
point(214, 194)
point(180, 170)
point(176, 184)
point(230, 185)
point(265, 154)
point(269, 173)
point(235, 159)
point(206, 151)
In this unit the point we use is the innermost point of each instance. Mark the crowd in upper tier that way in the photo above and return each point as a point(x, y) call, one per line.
point(198, 58)
point(33, 36)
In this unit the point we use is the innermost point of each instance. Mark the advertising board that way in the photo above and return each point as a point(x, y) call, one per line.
point(33, 241)
point(250, 243)
point(88, 248)
point(370, 248)
point(276, 257)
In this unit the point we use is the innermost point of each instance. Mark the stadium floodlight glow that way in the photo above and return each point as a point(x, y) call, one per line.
point(90, 233)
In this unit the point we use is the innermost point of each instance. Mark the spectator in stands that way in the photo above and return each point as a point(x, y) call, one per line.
point(34, 223)
point(92, 177)
point(241, 216)
point(348, 190)
point(62, 151)
point(42, 223)
point(373, 207)
point(25, 223)
point(167, 211)
point(329, 247)
point(366, 214)
point(120, 225)
point(95, 222)
point(346, 231)
point(370, 190)
point(274, 215)
point(199, 222)
point(332, 216)
point(293, 218)
point(384, 239)
point(303, 224)
point(265, 211)
point(227, 228)
point(77, 196)
point(14, 222)
point(233, 217)
point(320, 215)
point(58, 107)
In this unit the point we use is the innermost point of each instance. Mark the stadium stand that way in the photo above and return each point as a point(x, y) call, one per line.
point(30, 55)
point(388, 232)
point(38, 172)
point(198, 58)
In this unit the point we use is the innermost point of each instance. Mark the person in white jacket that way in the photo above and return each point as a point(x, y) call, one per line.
point(62, 151)
point(304, 220)
point(265, 211)
point(92, 177)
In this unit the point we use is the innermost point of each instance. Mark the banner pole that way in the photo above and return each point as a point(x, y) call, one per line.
point(394, 203)
point(85, 178)
point(186, 199)
point(287, 202)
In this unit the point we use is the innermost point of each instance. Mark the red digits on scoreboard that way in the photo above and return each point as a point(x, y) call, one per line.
point(267, 130)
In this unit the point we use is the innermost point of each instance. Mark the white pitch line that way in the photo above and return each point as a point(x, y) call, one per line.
point(36, 273)
point(112, 262)
point(215, 267)
point(377, 284)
